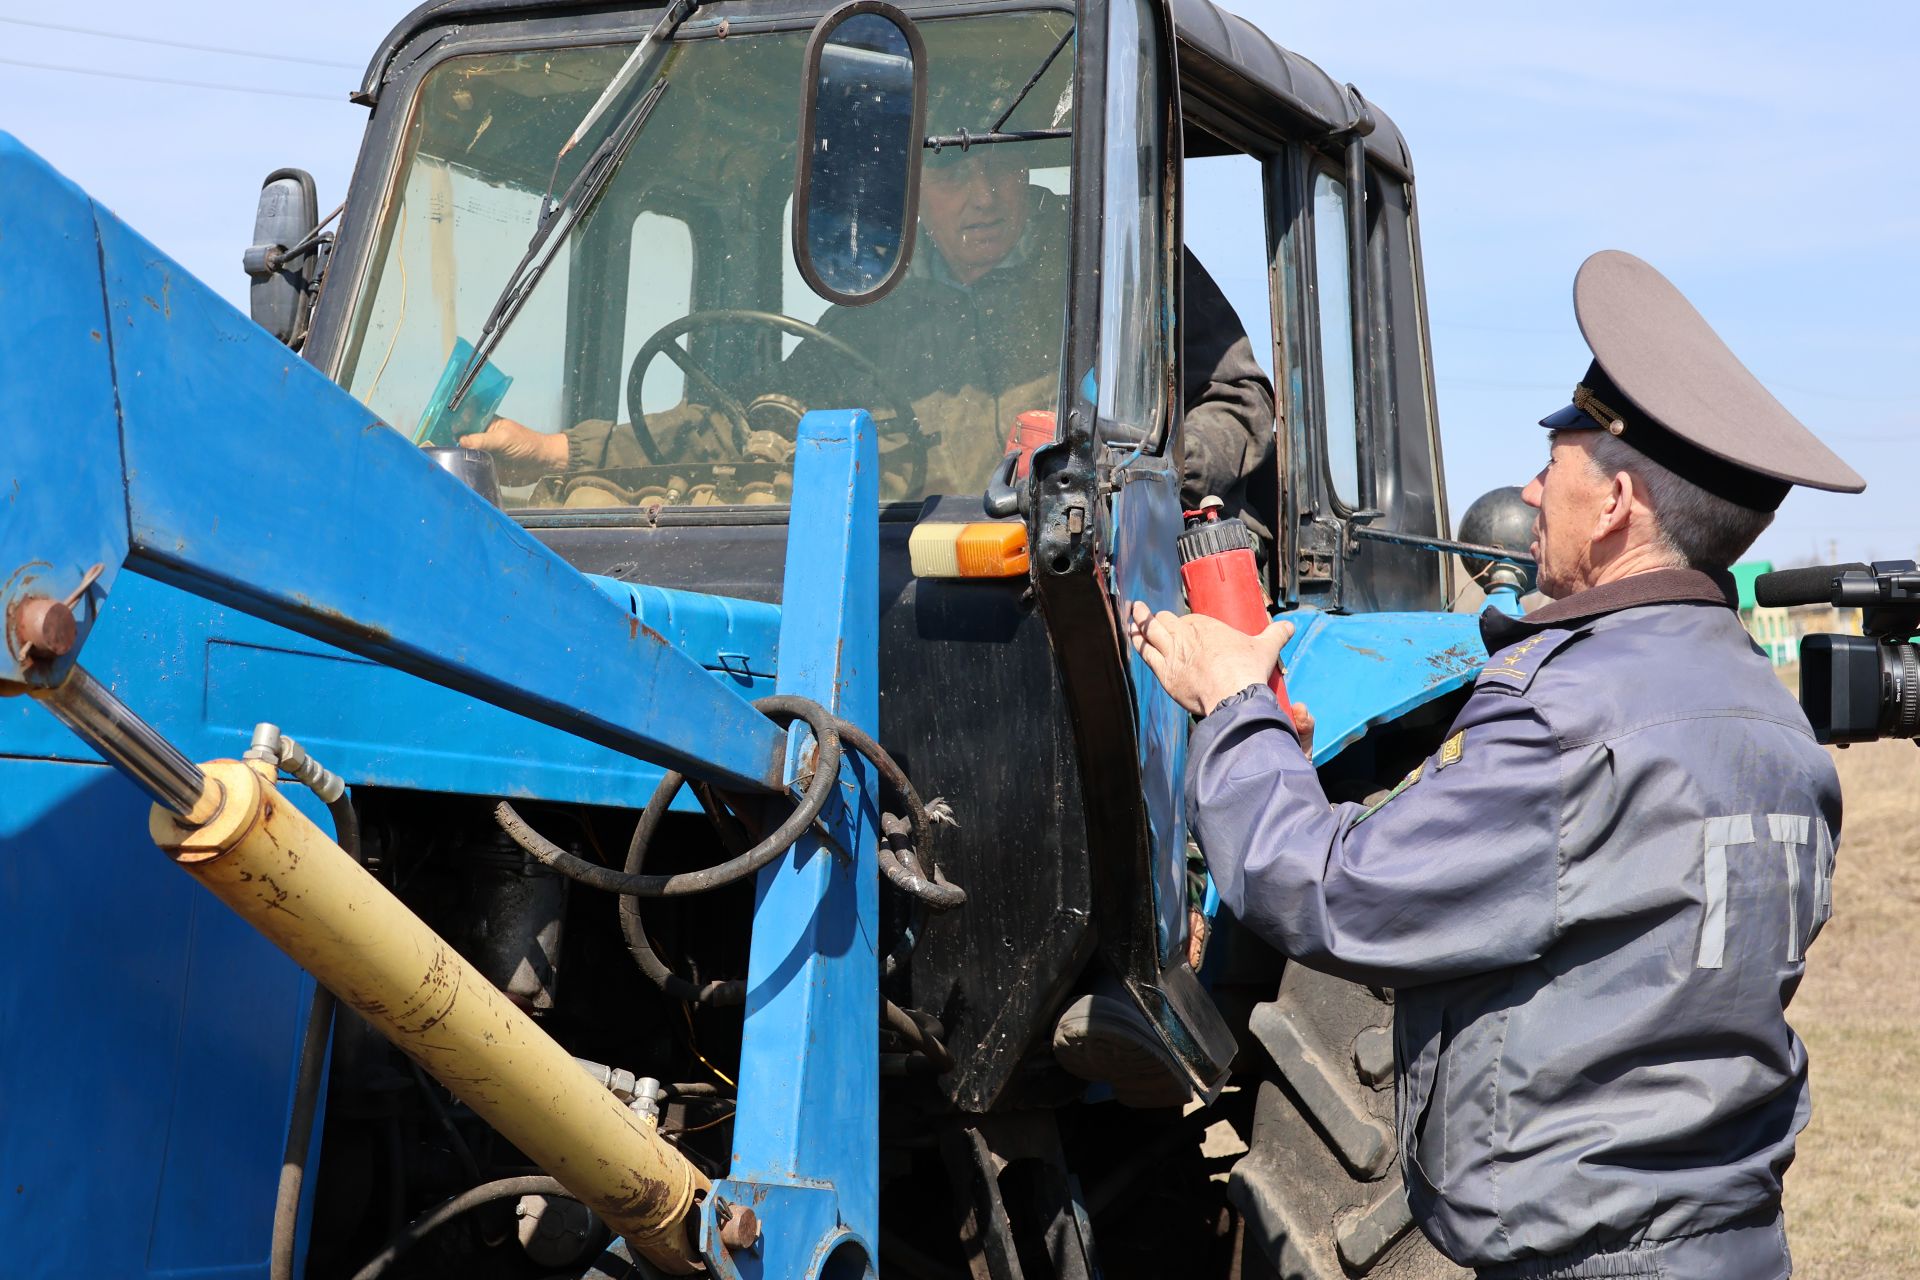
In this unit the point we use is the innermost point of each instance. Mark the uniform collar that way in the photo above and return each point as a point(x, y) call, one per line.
point(1656, 586)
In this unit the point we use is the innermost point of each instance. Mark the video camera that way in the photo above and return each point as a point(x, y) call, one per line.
point(1857, 688)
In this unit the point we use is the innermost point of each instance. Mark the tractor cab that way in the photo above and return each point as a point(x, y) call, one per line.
point(604, 260)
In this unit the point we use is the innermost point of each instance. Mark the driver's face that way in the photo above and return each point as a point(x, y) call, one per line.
point(974, 205)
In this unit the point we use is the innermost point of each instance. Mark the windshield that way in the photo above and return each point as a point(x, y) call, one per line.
point(668, 351)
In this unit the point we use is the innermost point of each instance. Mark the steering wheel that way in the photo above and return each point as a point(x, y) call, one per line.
point(914, 443)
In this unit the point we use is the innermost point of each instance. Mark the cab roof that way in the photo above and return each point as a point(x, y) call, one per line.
point(1236, 84)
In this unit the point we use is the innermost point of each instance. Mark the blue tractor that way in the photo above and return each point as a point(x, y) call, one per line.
point(674, 837)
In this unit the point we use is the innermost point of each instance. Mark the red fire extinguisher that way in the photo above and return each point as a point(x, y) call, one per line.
point(1223, 581)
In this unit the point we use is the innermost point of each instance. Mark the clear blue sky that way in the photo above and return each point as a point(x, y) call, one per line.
point(1758, 153)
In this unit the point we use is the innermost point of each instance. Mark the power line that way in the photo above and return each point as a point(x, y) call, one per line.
point(183, 84)
point(176, 44)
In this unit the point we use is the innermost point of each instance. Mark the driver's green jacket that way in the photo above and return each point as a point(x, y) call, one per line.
point(972, 358)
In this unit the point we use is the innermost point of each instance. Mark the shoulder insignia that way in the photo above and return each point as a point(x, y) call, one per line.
point(1452, 749)
point(1514, 667)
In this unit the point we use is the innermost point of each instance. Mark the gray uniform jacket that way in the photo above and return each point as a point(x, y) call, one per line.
point(1594, 901)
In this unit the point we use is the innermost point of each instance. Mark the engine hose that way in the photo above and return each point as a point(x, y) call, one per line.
point(937, 892)
point(307, 1078)
point(293, 1159)
point(826, 778)
point(447, 1210)
point(919, 1030)
point(897, 862)
point(894, 962)
point(634, 929)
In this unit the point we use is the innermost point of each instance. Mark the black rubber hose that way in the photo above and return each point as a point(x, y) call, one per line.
point(826, 779)
point(634, 929)
point(447, 1210)
point(935, 891)
point(293, 1158)
point(898, 862)
point(306, 1088)
point(919, 1030)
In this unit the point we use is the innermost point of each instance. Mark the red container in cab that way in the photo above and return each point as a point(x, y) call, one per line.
point(1031, 429)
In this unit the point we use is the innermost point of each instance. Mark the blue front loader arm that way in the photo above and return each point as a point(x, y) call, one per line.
point(152, 428)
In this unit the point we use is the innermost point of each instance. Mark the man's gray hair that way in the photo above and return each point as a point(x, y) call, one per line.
point(1701, 530)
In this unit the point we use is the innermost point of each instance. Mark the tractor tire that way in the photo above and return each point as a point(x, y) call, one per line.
point(1319, 1189)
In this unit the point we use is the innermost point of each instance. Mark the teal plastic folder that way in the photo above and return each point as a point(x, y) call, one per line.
point(438, 425)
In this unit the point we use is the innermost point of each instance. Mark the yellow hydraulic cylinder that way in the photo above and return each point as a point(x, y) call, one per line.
point(262, 857)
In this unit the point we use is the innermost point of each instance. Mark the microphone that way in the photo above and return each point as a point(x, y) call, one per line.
point(1811, 585)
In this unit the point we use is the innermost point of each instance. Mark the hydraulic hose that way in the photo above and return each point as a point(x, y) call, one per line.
point(826, 777)
point(285, 753)
point(293, 1158)
point(447, 1210)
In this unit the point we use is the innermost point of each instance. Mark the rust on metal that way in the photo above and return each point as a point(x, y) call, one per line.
point(741, 1230)
point(347, 626)
point(40, 630)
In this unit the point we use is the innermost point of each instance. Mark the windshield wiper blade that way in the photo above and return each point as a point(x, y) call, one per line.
point(550, 231)
point(1032, 80)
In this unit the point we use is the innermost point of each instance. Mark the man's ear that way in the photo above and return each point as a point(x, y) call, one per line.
point(1616, 512)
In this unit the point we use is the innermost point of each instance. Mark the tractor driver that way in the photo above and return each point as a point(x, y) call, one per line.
point(972, 337)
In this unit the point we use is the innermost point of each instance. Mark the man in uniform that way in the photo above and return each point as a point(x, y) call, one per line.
point(1595, 898)
point(972, 337)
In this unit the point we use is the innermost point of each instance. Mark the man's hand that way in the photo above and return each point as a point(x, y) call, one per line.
point(521, 453)
point(1201, 660)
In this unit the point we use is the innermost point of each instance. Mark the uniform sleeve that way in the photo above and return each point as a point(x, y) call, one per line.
point(597, 443)
point(1228, 432)
point(1456, 873)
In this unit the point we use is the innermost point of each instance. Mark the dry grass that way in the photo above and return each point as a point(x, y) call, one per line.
point(1853, 1195)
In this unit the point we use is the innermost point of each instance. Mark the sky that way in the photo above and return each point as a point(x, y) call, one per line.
point(1757, 153)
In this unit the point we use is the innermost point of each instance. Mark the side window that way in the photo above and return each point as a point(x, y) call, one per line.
point(1230, 239)
point(1332, 307)
point(1135, 315)
point(659, 291)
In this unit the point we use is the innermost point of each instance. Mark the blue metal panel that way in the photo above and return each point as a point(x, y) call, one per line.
point(57, 415)
point(807, 1132)
point(251, 479)
point(1357, 670)
point(1146, 525)
point(147, 1044)
point(205, 675)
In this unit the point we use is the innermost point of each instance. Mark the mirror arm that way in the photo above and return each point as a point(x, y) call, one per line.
point(1004, 497)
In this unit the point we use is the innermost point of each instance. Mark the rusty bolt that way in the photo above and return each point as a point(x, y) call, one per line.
point(741, 1230)
point(42, 630)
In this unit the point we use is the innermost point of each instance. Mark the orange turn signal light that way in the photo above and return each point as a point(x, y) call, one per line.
point(984, 550)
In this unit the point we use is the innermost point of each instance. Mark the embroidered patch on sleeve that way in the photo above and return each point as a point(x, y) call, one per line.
point(1402, 785)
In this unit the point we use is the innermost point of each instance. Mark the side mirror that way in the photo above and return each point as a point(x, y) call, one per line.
point(862, 116)
point(1500, 518)
point(281, 300)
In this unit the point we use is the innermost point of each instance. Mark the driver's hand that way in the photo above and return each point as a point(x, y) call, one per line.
point(521, 453)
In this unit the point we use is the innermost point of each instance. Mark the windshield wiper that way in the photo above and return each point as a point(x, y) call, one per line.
point(966, 139)
point(559, 217)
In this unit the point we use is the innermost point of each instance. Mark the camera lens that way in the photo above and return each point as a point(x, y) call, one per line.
point(1857, 689)
point(1901, 698)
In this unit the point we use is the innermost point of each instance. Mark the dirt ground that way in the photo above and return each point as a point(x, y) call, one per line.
point(1853, 1194)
